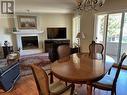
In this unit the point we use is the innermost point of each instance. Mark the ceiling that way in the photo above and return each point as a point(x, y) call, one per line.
point(45, 6)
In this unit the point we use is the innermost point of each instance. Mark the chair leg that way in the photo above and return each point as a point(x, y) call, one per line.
point(51, 77)
point(93, 88)
point(66, 83)
point(113, 92)
point(109, 71)
point(72, 89)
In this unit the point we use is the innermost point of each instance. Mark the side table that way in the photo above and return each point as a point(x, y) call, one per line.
point(7, 50)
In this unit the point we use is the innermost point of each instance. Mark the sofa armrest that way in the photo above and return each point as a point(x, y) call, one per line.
point(9, 76)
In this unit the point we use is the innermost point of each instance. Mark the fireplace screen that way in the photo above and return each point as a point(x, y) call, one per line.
point(29, 42)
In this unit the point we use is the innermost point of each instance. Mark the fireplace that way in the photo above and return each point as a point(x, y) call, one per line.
point(29, 42)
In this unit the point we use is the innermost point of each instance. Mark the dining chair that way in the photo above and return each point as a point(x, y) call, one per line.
point(115, 63)
point(95, 50)
point(107, 82)
point(63, 51)
point(42, 82)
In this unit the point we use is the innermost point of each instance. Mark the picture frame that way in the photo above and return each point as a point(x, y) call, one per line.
point(27, 22)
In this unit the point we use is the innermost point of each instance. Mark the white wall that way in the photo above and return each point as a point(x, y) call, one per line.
point(87, 19)
point(5, 32)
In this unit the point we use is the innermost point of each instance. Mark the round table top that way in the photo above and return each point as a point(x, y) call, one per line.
point(80, 68)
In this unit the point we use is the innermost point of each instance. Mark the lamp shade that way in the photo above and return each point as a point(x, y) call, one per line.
point(80, 35)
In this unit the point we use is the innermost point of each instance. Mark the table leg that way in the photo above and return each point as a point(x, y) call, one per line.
point(89, 89)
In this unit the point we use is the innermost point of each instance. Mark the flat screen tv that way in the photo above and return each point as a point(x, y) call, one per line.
point(56, 33)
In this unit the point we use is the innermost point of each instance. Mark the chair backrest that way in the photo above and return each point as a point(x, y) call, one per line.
point(124, 55)
point(41, 80)
point(95, 48)
point(63, 51)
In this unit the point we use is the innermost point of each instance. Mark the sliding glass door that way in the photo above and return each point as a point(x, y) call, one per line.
point(113, 35)
point(111, 30)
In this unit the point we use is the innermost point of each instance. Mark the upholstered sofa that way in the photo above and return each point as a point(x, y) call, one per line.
point(9, 75)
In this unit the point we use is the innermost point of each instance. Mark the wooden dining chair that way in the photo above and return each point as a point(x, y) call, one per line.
point(41, 79)
point(107, 82)
point(63, 51)
point(115, 63)
point(96, 49)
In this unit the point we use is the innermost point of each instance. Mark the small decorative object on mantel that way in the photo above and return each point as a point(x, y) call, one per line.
point(27, 22)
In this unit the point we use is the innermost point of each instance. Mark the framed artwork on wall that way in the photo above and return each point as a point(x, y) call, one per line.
point(27, 22)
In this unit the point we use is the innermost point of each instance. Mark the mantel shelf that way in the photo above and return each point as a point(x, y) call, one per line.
point(21, 32)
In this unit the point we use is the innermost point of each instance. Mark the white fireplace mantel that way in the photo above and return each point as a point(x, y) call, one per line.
point(25, 32)
point(30, 32)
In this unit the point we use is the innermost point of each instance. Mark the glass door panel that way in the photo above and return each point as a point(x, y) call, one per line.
point(113, 35)
point(100, 29)
point(124, 38)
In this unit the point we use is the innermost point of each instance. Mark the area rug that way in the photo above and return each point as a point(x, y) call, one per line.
point(40, 59)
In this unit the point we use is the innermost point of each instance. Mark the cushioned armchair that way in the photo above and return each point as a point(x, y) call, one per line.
point(9, 75)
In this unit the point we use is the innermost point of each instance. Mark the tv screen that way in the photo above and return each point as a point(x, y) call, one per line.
point(56, 33)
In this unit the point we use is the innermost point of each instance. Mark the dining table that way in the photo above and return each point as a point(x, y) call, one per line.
point(80, 68)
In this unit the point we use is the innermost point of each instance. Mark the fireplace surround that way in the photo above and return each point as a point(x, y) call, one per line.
point(29, 41)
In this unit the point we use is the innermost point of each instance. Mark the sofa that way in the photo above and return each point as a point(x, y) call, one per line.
point(9, 75)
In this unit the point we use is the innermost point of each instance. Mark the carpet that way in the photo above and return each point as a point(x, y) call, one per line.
point(35, 58)
point(40, 59)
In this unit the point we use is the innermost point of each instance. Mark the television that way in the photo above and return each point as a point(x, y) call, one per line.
point(56, 33)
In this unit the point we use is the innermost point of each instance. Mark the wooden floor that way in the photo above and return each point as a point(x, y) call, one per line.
point(27, 86)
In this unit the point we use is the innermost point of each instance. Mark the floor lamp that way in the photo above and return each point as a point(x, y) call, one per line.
point(80, 36)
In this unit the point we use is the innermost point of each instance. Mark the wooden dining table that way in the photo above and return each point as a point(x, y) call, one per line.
point(81, 69)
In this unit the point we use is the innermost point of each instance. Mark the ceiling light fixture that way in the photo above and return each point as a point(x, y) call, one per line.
point(86, 5)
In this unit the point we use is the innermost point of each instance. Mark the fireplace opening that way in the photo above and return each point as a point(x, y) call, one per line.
point(29, 42)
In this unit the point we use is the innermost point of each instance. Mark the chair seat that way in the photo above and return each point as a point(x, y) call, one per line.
point(56, 87)
point(105, 83)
